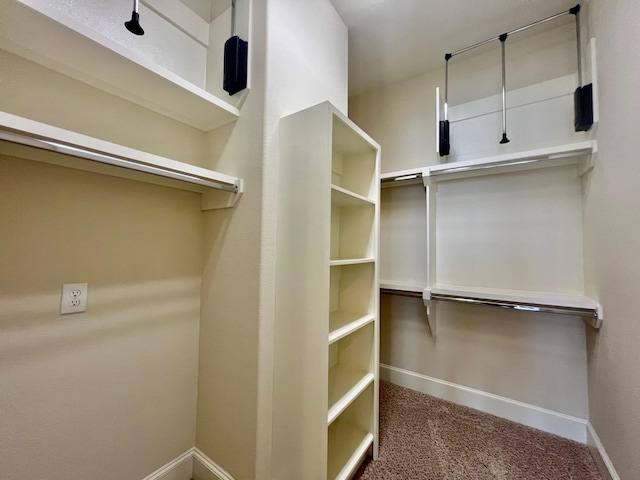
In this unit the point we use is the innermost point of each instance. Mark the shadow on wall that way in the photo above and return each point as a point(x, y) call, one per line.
point(32, 326)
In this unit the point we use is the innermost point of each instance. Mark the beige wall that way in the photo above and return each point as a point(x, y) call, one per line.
point(613, 236)
point(228, 396)
point(34, 92)
point(110, 393)
point(533, 358)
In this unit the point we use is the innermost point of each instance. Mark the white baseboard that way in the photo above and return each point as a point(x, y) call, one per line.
point(191, 464)
point(607, 470)
point(566, 426)
point(212, 467)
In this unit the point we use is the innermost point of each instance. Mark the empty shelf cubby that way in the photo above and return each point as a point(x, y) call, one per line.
point(354, 161)
point(350, 437)
point(351, 366)
point(352, 226)
point(352, 288)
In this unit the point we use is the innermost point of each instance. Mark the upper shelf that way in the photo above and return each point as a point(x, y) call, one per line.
point(70, 149)
point(401, 178)
point(565, 154)
point(42, 34)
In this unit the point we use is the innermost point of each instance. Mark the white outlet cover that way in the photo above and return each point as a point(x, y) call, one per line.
point(74, 298)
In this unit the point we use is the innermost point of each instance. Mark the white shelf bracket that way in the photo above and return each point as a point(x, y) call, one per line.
point(430, 306)
point(216, 199)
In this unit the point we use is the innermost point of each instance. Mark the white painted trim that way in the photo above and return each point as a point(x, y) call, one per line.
point(172, 465)
point(566, 426)
point(604, 463)
point(193, 454)
point(210, 465)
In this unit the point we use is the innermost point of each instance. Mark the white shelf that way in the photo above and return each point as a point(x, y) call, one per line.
point(342, 324)
point(345, 385)
point(106, 65)
point(350, 261)
point(349, 451)
point(519, 296)
point(41, 142)
point(566, 154)
point(341, 197)
point(402, 178)
point(401, 286)
point(521, 300)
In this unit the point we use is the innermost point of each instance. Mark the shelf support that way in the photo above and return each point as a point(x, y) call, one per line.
point(430, 306)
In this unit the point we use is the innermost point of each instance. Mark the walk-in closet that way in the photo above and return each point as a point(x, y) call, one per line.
point(319, 240)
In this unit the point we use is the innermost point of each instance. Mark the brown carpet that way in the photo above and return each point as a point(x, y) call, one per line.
point(425, 438)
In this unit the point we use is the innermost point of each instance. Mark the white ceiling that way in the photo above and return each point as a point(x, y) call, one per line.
point(393, 40)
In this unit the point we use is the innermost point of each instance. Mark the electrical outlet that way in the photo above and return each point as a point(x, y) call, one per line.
point(74, 298)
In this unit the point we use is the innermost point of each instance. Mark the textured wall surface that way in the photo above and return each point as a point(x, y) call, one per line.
point(613, 236)
point(110, 393)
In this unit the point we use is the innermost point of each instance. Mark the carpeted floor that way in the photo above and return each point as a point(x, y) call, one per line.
point(424, 438)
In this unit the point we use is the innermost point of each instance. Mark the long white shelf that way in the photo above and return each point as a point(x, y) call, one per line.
point(402, 286)
point(401, 178)
point(565, 154)
point(69, 47)
point(71, 149)
point(350, 261)
point(530, 301)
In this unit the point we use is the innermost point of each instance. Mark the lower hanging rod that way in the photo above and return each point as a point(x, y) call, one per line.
point(401, 293)
point(105, 158)
point(587, 313)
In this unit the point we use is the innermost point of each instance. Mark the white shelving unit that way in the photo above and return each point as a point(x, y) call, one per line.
point(578, 154)
point(37, 141)
point(68, 46)
point(326, 345)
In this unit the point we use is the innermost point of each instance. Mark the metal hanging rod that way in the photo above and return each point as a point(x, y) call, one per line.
point(401, 293)
point(233, 18)
point(571, 11)
point(590, 315)
point(74, 151)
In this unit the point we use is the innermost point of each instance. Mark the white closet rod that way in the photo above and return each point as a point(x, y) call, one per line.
point(101, 157)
